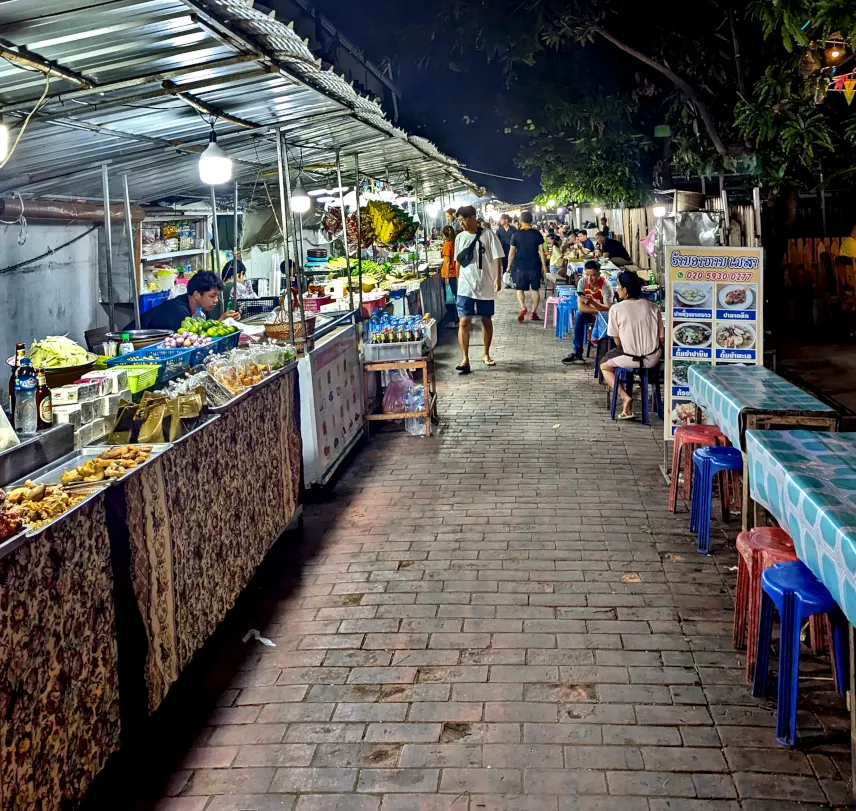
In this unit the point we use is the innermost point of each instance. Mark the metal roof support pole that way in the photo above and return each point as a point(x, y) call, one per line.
point(132, 253)
point(108, 245)
point(215, 257)
point(235, 251)
point(298, 254)
point(282, 171)
point(344, 226)
point(425, 228)
point(359, 234)
point(302, 288)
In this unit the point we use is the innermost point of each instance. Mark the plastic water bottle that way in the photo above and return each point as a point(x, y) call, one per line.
point(26, 416)
point(414, 401)
point(199, 315)
point(127, 345)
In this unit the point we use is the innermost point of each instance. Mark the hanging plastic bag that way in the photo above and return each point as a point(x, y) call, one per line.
point(507, 280)
point(451, 301)
point(394, 396)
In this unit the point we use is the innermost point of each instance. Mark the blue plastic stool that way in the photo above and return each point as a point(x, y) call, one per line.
point(625, 375)
point(797, 595)
point(565, 310)
point(708, 462)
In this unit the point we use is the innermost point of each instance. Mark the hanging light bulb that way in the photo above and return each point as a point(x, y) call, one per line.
point(551, 203)
point(215, 166)
point(659, 211)
point(301, 202)
point(598, 211)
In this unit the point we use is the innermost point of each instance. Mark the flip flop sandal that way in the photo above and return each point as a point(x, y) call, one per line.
point(627, 416)
point(488, 361)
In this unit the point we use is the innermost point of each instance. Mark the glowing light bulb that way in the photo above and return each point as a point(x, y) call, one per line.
point(301, 202)
point(659, 211)
point(215, 166)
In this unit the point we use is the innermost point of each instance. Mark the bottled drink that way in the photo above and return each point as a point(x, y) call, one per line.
point(199, 315)
point(126, 346)
point(26, 420)
point(652, 277)
point(20, 351)
point(44, 402)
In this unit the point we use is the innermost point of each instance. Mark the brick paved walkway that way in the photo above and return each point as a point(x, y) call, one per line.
point(505, 617)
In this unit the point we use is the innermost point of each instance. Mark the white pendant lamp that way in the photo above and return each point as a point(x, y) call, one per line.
point(4, 140)
point(215, 166)
point(301, 202)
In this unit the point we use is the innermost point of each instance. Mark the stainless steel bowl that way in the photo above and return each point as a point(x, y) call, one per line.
point(140, 338)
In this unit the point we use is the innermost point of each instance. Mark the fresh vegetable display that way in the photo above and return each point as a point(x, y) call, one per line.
point(211, 329)
point(58, 352)
point(186, 339)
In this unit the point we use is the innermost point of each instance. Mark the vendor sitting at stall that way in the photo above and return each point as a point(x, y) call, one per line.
point(203, 290)
point(613, 249)
point(636, 327)
point(594, 295)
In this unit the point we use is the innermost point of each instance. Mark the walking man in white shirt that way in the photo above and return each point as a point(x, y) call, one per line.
point(479, 254)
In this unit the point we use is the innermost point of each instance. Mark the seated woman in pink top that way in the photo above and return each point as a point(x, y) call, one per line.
point(637, 328)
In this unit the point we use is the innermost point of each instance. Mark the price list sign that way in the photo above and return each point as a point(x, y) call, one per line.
point(714, 302)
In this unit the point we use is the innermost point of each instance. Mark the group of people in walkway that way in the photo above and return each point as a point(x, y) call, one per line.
point(476, 258)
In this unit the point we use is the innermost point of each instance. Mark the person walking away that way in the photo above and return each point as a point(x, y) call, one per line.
point(613, 250)
point(594, 295)
point(505, 232)
point(527, 264)
point(479, 256)
point(449, 271)
point(637, 328)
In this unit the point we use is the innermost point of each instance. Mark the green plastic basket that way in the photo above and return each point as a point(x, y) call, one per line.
point(140, 378)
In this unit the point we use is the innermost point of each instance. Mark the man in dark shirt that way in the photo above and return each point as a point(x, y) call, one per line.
point(203, 290)
point(613, 249)
point(505, 232)
point(528, 264)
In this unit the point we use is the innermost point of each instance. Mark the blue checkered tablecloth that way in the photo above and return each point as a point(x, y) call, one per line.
point(727, 393)
point(807, 481)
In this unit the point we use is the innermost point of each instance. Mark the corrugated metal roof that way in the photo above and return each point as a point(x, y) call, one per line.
point(131, 57)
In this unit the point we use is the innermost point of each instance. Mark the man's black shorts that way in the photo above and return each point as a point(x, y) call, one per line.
point(527, 279)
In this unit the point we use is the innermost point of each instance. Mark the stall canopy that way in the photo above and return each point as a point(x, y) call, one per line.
point(135, 84)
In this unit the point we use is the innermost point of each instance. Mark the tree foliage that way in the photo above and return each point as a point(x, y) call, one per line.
point(741, 87)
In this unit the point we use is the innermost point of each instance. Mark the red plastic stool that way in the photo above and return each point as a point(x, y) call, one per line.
point(687, 438)
point(758, 549)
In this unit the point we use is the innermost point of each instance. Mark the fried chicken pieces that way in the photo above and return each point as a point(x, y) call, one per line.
point(111, 464)
point(38, 504)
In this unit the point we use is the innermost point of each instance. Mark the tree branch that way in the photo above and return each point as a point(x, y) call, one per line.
point(738, 65)
point(681, 84)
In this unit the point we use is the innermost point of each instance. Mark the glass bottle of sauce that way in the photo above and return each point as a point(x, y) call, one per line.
point(44, 402)
point(20, 352)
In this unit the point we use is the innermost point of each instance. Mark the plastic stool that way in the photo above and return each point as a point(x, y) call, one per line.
point(565, 310)
point(554, 302)
point(625, 375)
point(708, 462)
point(798, 595)
point(758, 549)
point(688, 438)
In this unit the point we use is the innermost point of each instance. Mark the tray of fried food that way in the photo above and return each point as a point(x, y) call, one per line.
point(103, 464)
point(39, 505)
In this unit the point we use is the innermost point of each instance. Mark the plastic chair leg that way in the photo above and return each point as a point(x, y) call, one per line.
point(789, 671)
point(762, 649)
point(724, 485)
point(675, 476)
point(840, 652)
point(741, 604)
point(643, 385)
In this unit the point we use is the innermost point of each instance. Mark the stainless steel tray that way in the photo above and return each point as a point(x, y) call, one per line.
point(98, 489)
point(8, 546)
point(50, 474)
point(260, 385)
point(211, 418)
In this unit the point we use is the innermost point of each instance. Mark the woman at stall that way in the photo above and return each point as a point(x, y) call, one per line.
point(449, 272)
point(636, 327)
point(236, 289)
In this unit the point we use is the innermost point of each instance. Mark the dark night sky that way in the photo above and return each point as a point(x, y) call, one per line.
point(438, 99)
